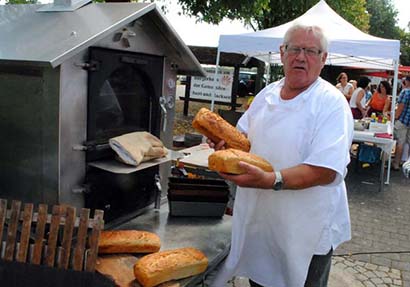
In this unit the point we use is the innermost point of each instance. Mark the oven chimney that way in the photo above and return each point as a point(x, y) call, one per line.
point(63, 5)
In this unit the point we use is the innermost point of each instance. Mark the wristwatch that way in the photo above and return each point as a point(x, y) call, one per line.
point(278, 184)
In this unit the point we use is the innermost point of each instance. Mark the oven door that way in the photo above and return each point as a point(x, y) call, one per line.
point(123, 96)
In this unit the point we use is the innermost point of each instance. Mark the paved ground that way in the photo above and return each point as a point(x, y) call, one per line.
point(379, 252)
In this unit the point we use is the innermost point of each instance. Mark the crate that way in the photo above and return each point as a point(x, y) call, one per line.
point(56, 247)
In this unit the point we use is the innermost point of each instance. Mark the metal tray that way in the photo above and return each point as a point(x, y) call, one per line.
point(189, 208)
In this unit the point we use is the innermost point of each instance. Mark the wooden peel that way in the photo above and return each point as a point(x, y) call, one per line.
point(120, 267)
point(169, 284)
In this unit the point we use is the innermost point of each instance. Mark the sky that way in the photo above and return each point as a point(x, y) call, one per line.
point(202, 34)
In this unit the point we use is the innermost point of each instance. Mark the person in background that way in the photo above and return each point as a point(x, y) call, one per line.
point(368, 93)
point(406, 168)
point(286, 223)
point(402, 123)
point(354, 84)
point(379, 102)
point(358, 100)
point(344, 86)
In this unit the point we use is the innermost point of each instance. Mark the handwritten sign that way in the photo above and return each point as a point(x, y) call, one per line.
point(203, 87)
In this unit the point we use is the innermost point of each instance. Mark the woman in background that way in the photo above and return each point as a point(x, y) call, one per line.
point(379, 102)
point(358, 99)
point(344, 86)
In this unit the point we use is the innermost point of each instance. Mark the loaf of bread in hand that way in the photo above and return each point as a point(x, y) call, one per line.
point(163, 266)
point(216, 129)
point(227, 161)
point(128, 241)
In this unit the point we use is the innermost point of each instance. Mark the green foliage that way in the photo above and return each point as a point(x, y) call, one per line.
point(405, 48)
point(262, 14)
point(383, 23)
point(376, 17)
point(383, 19)
point(21, 1)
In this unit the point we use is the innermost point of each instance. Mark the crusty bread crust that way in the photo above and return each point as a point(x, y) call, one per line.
point(216, 129)
point(163, 266)
point(227, 161)
point(128, 241)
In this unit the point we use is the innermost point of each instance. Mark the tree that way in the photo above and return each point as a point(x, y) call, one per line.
point(21, 1)
point(262, 14)
point(383, 23)
point(405, 47)
point(383, 19)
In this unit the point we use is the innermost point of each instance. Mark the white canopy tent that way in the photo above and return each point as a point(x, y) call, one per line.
point(348, 46)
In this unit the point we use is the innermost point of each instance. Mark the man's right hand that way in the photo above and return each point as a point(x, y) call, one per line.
point(216, 146)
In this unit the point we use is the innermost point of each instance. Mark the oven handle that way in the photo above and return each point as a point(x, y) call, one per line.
point(162, 103)
point(91, 147)
point(158, 192)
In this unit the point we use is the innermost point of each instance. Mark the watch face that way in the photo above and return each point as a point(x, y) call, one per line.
point(277, 186)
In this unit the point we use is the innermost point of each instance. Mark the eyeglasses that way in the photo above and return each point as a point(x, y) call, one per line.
point(310, 52)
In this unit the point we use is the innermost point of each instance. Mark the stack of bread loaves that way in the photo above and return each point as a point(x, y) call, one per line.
point(159, 266)
point(216, 129)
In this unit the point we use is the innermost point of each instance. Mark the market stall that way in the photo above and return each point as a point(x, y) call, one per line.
point(348, 46)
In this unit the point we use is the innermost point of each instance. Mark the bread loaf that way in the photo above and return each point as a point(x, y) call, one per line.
point(227, 161)
point(163, 266)
point(216, 129)
point(128, 241)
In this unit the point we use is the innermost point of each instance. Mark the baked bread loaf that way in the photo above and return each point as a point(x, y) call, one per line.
point(227, 161)
point(163, 266)
point(128, 241)
point(216, 129)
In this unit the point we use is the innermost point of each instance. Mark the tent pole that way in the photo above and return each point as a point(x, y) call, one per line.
point(268, 69)
point(393, 105)
point(215, 80)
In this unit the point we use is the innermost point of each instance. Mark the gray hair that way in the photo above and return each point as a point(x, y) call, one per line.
point(316, 31)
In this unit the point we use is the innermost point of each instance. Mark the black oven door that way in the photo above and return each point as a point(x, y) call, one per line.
point(123, 96)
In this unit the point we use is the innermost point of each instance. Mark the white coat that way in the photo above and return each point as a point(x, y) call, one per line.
point(276, 233)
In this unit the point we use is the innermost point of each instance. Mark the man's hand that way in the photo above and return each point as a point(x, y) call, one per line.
point(253, 177)
point(216, 146)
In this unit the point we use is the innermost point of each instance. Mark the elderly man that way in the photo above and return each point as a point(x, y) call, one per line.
point(286, 223)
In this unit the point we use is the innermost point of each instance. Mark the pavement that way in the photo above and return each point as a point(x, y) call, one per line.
point(378, 255)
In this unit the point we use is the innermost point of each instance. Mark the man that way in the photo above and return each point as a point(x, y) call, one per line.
point(286, 223)
point(402, 123)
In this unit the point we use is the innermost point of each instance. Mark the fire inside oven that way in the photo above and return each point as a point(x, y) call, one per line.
point(123, 96)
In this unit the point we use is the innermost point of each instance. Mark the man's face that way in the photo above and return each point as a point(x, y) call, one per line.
point(303, 68)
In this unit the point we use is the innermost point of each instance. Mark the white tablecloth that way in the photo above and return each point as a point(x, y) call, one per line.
point(384, 143)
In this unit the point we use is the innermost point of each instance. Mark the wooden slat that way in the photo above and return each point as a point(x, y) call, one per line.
point(25, 233)
point(93, 240)
point(53, 234)
point(12, 230)
point(35, 216)
point(3, 210)
point(79, 250)
point(67, 238)
point(39, 238)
